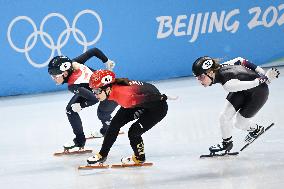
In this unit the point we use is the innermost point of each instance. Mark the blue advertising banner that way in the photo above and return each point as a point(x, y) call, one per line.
point(148, 40)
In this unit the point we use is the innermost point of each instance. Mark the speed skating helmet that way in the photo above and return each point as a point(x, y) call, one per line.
point(201, 65)
point(59, 64)
point(101, 78)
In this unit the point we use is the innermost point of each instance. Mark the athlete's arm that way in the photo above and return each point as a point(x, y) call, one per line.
point(235, 85)
point(246, 63)
point(89, 54)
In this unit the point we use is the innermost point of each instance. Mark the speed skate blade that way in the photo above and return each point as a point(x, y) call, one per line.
point(219, 155)
point(72, 152)
point(88, 167)
point(131, 165)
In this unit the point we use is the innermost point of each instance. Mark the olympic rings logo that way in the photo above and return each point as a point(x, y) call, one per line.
point(51, 43)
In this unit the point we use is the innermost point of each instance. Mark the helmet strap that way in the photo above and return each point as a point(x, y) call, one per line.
point(107, 94)
point(212, 79)
point(105, 90)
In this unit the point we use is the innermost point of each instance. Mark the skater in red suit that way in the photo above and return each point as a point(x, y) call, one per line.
point(139, 101)
point(247, 85)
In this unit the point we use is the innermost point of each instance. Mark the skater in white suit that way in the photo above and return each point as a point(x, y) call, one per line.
point(247, 85)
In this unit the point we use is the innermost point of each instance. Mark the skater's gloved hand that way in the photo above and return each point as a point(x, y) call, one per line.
point(110, 65)
point(76, 107)
point(271, 74)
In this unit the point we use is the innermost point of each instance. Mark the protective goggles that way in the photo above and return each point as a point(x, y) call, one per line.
point(54, 77)
point(97, 91)
point(201, 77)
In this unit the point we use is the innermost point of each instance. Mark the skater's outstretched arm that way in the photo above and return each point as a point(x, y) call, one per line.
point(246, 63)
point(89, 54)
point(235, 85)
point(97, 53)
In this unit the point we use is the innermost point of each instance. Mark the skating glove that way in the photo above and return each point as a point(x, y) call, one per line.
point(271, 74)
point(76, 107)
point(110, 65)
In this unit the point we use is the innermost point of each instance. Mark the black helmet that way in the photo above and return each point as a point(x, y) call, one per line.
point(202, 64)
point(59, 64)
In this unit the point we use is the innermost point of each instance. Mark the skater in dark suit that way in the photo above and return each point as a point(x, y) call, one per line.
point(73, 72)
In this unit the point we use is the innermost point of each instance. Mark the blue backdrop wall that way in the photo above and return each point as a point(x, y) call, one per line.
point(149, 40)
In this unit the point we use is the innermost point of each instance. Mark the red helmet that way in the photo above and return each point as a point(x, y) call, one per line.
point(101, 78)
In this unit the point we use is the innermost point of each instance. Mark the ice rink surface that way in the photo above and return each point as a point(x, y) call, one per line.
point(33, 127)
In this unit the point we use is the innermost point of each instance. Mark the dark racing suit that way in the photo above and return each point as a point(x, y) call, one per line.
point(78, 83)
point(246, 94)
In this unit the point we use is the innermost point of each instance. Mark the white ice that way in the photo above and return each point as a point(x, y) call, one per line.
point(33, 127)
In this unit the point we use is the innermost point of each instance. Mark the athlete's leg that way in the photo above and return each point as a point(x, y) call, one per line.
point(252, 105)
point(75, 121)
point(226, 120)
point(122, 117)
point(148, 119)
point(74, 117)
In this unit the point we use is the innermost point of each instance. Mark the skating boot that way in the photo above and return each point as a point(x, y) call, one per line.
point(96, 159)
point(95, 162)
point(223, 147)
point(252, 135)
point(73, 148)
point(96, 134)
point(70, 145)
point(133, 159)
point(255, 134)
